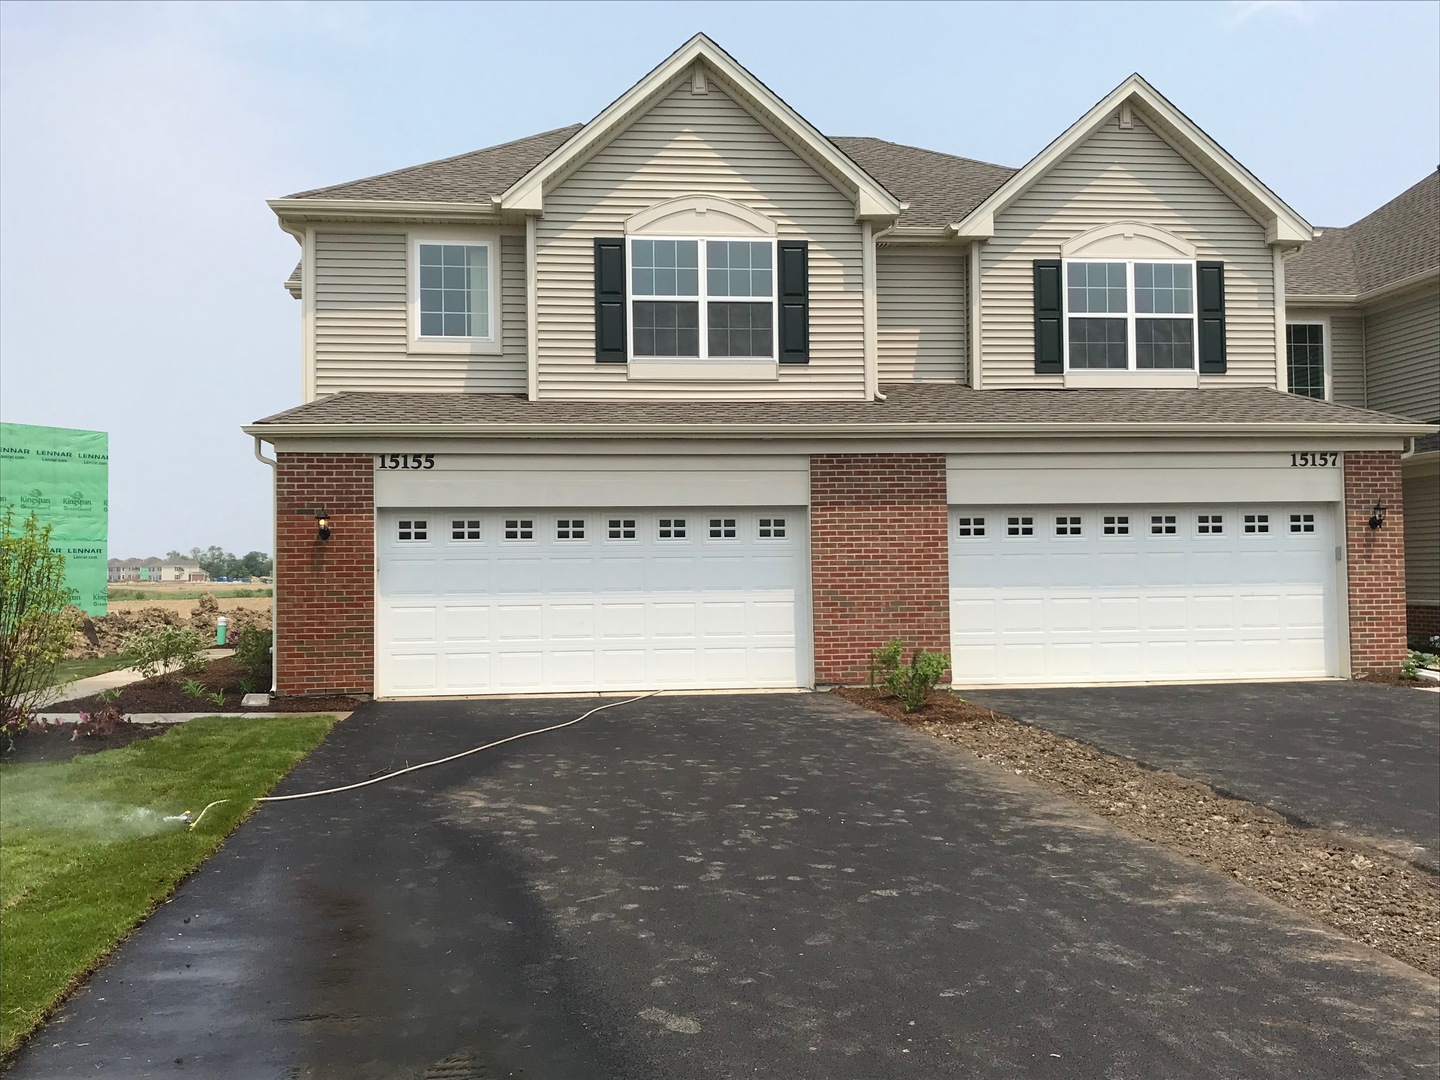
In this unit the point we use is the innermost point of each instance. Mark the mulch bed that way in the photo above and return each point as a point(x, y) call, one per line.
point(1367, 894)
point(58, 744)
point(166, 694)
point(1394, 678)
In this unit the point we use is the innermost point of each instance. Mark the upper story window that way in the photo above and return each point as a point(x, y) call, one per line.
point(1305, 359)
point(454, 292)
point(697, 299)
point(1129, 315)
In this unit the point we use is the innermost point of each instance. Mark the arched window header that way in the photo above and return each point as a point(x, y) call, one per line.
point(1127, 240)
point(699, 215)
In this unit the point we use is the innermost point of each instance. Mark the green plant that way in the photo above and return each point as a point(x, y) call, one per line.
point(247, 686)
point(252, 652)
point(34, 629)
point(218, 697)
point(884, 661)
point(913, 683)
point(109, 695)
point(166, 650)
point(1415, 660)
point(195, 688)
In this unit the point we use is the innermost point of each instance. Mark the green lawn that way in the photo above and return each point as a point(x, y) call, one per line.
point(84, 856)
point(67, 671)
point(189, 594)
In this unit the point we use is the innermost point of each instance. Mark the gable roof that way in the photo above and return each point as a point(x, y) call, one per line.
point(1283, 224)
point(938, 189)
point(1397, 242)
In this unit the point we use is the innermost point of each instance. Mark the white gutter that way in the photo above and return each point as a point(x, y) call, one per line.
point(275, 565)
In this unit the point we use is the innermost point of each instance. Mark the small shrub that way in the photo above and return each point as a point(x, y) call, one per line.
point(913, 683)
point(884, 661)
point(195, 688)
point(105, 720)
point(35, 629)
point(218, 697)
point(252, 652)
point(166, 650)
point(1415, 660)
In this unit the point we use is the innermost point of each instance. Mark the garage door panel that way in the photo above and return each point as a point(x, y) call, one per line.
point(1071, 603)
point(592, 599)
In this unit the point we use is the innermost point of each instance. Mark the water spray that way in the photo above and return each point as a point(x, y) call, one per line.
point(186, 819)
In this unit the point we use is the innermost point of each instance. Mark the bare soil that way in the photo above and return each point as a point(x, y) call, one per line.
point(1361, 891)
point(1394, 678)
point(166, 694)
point(62, 744)
point(184, 607)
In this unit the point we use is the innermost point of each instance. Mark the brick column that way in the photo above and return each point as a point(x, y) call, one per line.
point(879, 558)
point(1376, 561)
point(325, 589)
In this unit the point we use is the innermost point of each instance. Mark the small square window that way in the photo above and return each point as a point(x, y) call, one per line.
point(1211, 524)
point(1302, 523)
point(1162, 524)
point(570, 529)
point(1115, 525)
point(413, 529)
point(620, 529)
point(519, 528)
point(772, 528)
point(722, 528)
point(1257, 523)
point(1020, 526)
point(465, 529)
point(970, 526)
point(672, 528)
point(1067, 526)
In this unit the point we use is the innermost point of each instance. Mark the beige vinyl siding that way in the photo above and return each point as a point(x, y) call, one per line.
point(1347, 359)
point(1422, 538)
point(922, 313)
point(1402, 358)
point(691, 144)
point(1119, 175)
point(361, 337)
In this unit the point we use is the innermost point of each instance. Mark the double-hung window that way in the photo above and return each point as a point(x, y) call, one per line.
point(1305, 359)
point(454, 297)
point(1130, 315)
point(702, 299)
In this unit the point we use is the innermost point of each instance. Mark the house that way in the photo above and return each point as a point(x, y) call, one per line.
point(1363, 329)
point(694, 396)
point(153, 569)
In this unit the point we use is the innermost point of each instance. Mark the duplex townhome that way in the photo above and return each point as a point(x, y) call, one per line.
point(694, 396)
point(1363, 310)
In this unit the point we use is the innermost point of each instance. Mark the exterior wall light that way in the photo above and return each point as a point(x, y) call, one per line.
point(322, 524)
point(1377, 516)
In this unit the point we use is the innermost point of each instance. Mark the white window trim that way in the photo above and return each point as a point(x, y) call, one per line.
point(1322, 321)
point(490, 345)
point(704, 366)
point(1130, 376)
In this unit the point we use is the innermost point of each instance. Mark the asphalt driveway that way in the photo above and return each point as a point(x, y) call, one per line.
point(1347, 755)
point(713, 887)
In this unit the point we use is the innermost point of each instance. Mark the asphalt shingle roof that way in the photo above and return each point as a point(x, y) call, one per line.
point(905, 404)
point(1396, 242)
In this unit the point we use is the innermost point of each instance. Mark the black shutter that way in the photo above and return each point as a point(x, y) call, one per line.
point(794, 291)
point(1211, 307)
point(1049, 338)
point(610, 300)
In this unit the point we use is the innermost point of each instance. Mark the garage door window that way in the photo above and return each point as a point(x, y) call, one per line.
point(1020, 526)
point(672, 529)
point(722, 528)
point(570, 529)
point(1257, 523)
point(466, 529)
point(1067, 526)
point(1302, 523)
point(519, 528)
point(412, 529)
point(1115, 525)
point(970, 526)
point(1211, 524)
point(772, 528)
point(620, 529)
point(1162, 524)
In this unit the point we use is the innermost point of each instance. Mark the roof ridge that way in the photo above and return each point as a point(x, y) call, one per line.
point(438, 161)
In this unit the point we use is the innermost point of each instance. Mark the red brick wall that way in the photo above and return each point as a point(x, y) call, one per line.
point(1376, 561)
point(1423, 619)
point(325, 589)
point(879, 557)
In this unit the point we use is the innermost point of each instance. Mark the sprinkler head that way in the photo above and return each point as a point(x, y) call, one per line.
point(182, 818)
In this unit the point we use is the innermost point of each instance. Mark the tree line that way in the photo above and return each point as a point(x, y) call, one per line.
point(219, 563)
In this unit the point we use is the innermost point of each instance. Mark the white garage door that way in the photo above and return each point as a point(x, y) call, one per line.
point(1052, 594)
point(528, 600)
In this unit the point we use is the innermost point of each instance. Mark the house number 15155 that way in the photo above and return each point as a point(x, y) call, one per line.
point(1321, 460)
point(406, 461)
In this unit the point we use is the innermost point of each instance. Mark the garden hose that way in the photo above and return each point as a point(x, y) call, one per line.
point(193, 822)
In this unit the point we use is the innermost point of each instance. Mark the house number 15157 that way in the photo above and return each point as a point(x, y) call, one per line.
point(406, 461)
point(1314, 461)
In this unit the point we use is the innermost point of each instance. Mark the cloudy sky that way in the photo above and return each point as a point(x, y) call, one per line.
point(140, 270)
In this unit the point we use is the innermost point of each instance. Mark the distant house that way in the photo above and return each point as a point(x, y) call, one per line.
point(153, 569)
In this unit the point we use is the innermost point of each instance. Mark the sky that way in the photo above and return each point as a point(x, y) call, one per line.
point(141, 271)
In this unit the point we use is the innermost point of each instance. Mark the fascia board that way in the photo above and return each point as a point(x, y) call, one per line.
point(789, 432)
point(302, 210)
point(1286, 225)
point(527, 193)
point(1366, 299)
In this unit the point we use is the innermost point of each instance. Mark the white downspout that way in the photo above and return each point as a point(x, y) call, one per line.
point(275, 566)
point(871, 285)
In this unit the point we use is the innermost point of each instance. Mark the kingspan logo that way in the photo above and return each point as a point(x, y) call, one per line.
point(34, 500)
point(76, 501)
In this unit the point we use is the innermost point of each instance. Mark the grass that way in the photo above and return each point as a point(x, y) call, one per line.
point(67, 671)
point(84, 856)
point(188, 594)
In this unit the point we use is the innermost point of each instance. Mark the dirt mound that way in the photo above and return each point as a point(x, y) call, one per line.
point(109, 633)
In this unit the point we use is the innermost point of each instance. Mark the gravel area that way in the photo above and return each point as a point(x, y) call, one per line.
point(1365, 893)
